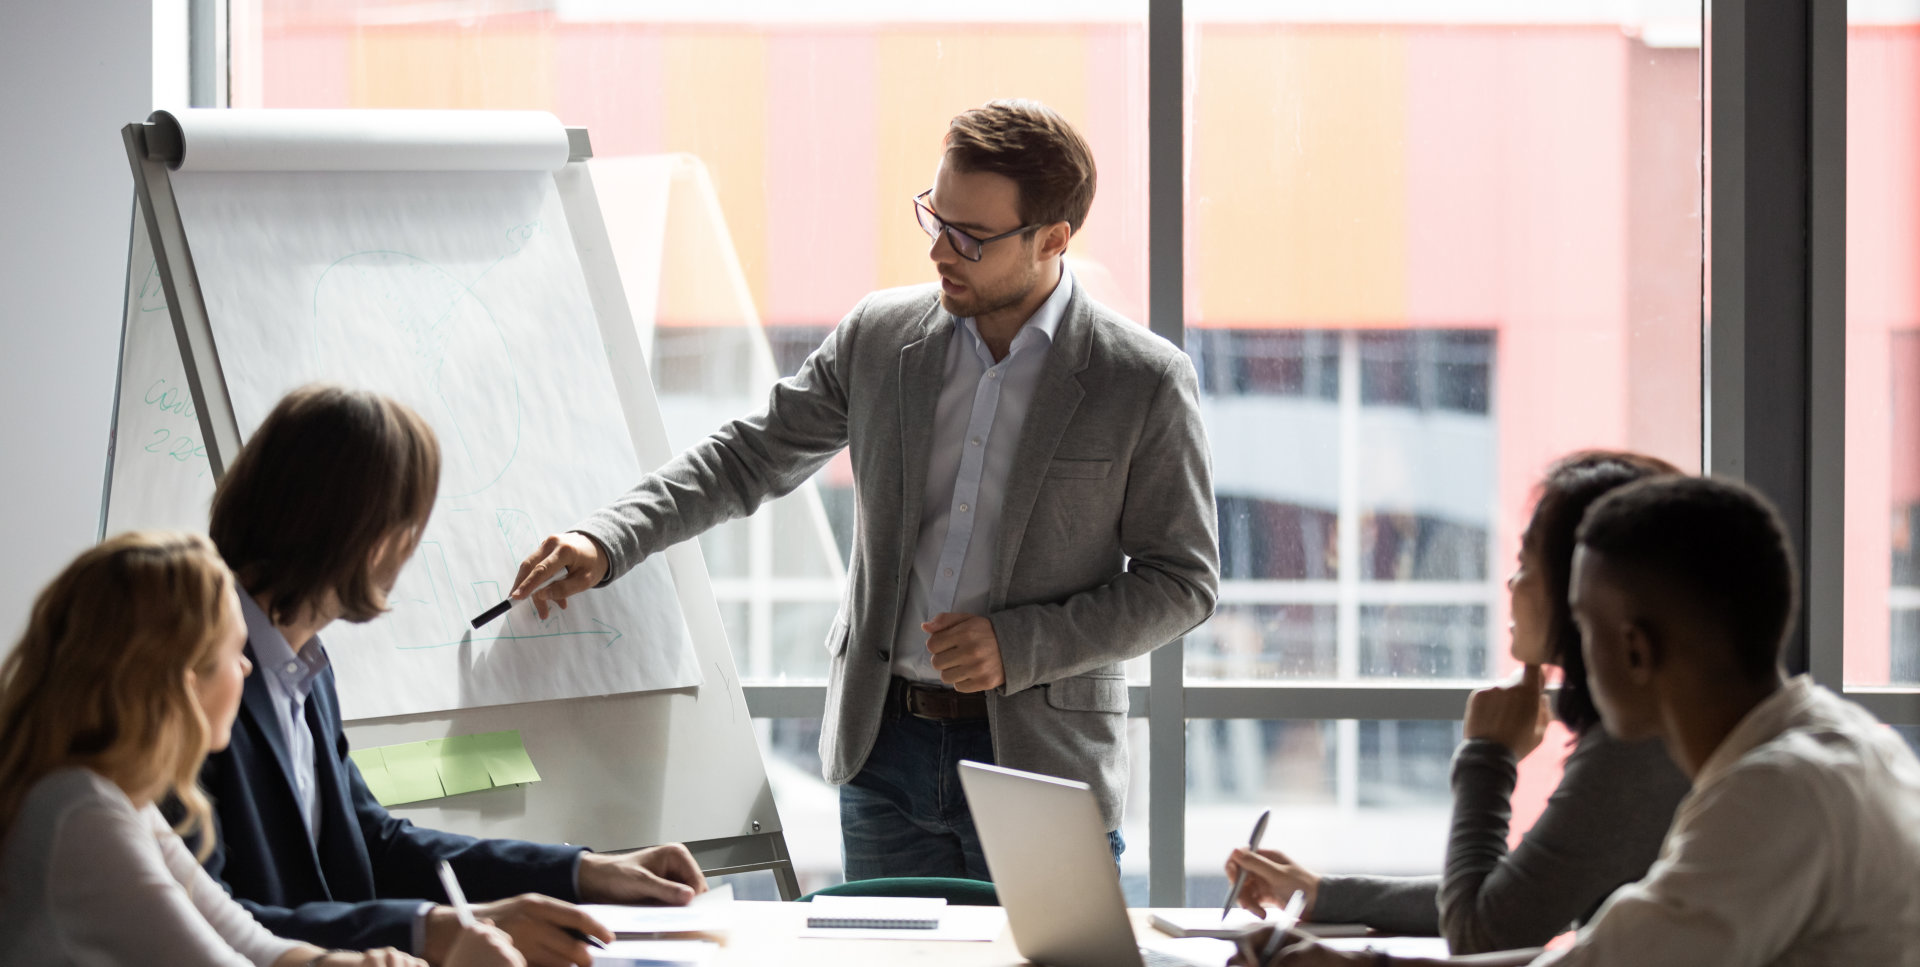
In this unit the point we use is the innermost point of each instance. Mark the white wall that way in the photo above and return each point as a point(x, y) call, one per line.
point(76, 72)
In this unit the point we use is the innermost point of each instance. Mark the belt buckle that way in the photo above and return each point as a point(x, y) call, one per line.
point(914, 707)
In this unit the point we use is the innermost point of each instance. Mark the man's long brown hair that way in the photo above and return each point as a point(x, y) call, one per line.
point(329, 478)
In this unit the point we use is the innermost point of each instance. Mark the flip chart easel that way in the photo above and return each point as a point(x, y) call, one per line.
point(618, 771)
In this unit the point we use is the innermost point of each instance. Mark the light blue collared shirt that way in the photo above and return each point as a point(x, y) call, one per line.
point(289, 678)
point(976, 428)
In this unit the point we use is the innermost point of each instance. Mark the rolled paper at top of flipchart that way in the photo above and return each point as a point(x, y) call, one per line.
point(272, 139)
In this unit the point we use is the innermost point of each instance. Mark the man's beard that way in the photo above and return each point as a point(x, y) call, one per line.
point(982, 302)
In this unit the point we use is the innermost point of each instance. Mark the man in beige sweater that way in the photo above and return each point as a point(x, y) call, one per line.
point(1799, 842)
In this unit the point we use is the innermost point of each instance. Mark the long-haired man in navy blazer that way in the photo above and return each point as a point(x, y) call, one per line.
point(316, 516)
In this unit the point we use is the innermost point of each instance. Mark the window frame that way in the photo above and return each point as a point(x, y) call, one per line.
point(1794, 346)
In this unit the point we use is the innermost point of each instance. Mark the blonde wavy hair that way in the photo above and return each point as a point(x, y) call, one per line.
point(101, 677)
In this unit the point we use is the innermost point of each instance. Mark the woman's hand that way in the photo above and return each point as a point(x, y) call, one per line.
point(484, 945)
point(1272, 879)
point(1514, 714)
point(1297, 953)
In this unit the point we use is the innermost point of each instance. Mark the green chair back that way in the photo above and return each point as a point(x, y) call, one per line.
point(957, 892)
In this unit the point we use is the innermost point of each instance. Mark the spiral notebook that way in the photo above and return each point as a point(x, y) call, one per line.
point(876, 913)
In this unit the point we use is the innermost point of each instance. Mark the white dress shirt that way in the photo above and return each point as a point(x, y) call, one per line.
point(87, 878)
point(1800, 844)
point(976, 428)
point(289, 678)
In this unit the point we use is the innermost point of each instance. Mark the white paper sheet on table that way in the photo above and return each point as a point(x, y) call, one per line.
point(460, 294)
point(1199, 951)
point(974, 924)
point(1203, 922)
point(1398, 946)
point(657, 953)
point(710, 912)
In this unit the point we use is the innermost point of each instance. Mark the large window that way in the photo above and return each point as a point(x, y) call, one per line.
point(1430, 249)
point(1882, 611)
point(1430, 246)
point(786, 142)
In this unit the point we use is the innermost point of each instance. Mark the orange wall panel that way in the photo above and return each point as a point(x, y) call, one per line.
point(498, 68)
point(1299, 174)
point(925, 77)
point(716, 88)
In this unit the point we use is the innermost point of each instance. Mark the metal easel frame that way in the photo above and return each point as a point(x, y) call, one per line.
point(155, 148)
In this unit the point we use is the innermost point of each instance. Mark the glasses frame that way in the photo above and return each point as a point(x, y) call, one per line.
point(954, 234)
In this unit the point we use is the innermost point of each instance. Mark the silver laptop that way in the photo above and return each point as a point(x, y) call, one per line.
point(1048, 853)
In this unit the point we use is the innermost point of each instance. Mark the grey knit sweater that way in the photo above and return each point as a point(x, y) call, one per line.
point(1601, 829)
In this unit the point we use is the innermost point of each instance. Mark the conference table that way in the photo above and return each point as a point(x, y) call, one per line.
point(766, 932)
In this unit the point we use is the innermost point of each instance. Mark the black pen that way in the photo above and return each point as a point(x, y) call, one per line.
point(1253, 843)
point(585, 937)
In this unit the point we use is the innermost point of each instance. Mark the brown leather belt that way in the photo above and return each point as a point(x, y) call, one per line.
point(933, 702)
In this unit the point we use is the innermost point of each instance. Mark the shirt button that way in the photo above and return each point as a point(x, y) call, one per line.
point(886, 655)
point(964, 508)
point(948, 572)
point(293, 668)
point(993, 375)
point(974, 442)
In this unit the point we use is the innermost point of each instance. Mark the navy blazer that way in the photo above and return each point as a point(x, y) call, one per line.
point(363, 883)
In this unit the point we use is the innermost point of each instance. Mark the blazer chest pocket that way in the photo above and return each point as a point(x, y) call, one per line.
point(837, 635)
point(1083, 693)
point(1080, 469)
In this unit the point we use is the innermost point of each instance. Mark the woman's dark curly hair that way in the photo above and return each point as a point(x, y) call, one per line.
point(1570, 486)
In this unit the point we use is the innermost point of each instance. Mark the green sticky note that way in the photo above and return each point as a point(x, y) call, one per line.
point(506, 758)
point(373, 769)
point(415, 770)
point(461, 767)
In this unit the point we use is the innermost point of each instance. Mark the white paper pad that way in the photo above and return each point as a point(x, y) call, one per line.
point(710, 912)
point(461, 295)
point(1198, 951)
point(1435, 947)
point(980, 924)
point(657, 953)
point(1202, 922)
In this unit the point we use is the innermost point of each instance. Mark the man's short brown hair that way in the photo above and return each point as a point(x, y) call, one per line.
point(330, 475)
point(1036, 147)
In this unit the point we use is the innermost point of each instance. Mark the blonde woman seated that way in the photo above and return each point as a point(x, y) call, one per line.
point(130, 671)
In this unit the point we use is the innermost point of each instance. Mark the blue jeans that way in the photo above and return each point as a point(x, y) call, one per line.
point(905, 814)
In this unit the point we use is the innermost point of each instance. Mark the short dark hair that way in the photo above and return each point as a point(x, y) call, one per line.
point(1716, 542)
point(1036, 147)
point(1569, 487)
point(330, 474)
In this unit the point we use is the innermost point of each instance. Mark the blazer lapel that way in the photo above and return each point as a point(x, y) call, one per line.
point(923, 366)
point(342, 850)
point(1055, 398)
point(258, 702)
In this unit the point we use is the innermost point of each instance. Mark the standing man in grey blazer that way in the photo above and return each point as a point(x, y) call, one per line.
point(1035, 505)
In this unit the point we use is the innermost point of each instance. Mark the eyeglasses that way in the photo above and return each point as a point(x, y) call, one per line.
point(967, 245)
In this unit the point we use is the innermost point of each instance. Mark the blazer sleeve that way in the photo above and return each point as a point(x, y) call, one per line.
point(406, 858)
point(335, 925)
point(1169, 532)
point(730, 473)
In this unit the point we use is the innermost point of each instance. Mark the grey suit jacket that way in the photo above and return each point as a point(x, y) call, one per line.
point(1107, 546)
